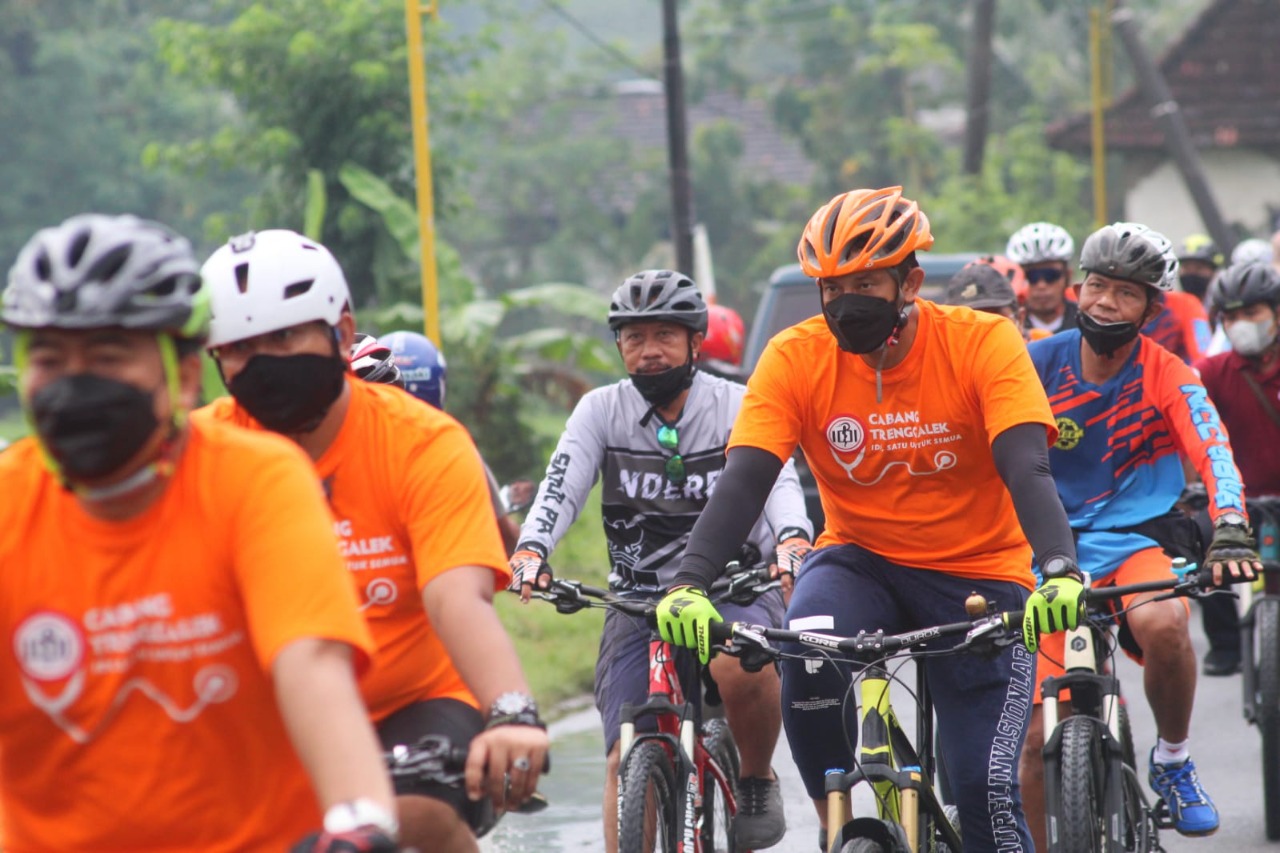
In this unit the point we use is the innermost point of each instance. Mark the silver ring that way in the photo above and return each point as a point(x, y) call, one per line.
point(521, 764)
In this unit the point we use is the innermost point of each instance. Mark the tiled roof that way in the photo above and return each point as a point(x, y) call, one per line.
point(1224, 72)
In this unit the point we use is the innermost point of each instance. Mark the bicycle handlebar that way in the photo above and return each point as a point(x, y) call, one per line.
point(736, 587)
point(986, 631)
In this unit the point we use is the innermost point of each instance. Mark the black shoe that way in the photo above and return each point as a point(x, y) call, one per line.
point(1221, 662)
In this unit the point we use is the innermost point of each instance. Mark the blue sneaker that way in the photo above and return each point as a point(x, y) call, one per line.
point(1192, 811)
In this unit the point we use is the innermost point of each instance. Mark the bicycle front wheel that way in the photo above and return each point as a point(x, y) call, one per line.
point(646, 801)
point(864, 845)
point(717, 820)
point(1078, 821)
point(1266, 627)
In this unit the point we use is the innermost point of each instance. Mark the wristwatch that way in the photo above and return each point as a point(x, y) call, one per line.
point(1230, 518)
point(514, 709)
point(1060, 567)
point(351, 815)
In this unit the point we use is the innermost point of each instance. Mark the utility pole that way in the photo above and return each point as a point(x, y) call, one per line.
point(677, 141)
point(1168, 116)
point(413, 10)
point(978, 108)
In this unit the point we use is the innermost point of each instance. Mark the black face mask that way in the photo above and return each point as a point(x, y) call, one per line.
point(92, 425)
point(862, 324)
point(659, 389)
point(1196, 285)
point(1105, 338)
point(289, 394)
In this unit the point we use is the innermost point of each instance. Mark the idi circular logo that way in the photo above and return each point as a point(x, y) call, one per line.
point(845, 433)
point(48, 646)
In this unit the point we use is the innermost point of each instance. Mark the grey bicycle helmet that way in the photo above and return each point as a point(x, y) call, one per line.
point(658, 295)
point(95, 271)
point(1040, 242)
point(1133, 252)
point(1242, 285)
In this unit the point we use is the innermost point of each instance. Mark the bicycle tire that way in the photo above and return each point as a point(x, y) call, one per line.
point(646, 801)
point(717, 821)
point(938, 843)
point(1126, 737)
point(1079, 825)
point(1267, 660)
point(1140, 832)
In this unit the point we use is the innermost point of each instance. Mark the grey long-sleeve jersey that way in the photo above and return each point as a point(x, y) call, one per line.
point(647, 518)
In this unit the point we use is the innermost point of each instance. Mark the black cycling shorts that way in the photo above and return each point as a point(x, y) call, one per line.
point(457, 721)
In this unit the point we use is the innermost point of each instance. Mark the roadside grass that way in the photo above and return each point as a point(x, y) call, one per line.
point(558, 652)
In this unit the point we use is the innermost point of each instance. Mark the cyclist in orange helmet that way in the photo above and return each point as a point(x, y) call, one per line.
point(721, 352)
point(917, 421)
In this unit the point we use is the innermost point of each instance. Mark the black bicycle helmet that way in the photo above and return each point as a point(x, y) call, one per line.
point(1133, 252)
point(655, 295)
point(96, 271)
point(1242, 285)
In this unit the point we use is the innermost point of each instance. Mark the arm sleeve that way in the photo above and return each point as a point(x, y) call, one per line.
point(725, 523)
point(1201, 437)
point(784, 509)
point(572, 471)
point(1022, 459)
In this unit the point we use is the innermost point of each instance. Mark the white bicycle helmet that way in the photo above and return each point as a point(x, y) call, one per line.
point(1040, 242)
point(1131, 251)
point(270, 280)
point(1251, 251)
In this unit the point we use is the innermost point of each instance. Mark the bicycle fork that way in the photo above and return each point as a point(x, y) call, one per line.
point(1097, 696)
point(896, 791)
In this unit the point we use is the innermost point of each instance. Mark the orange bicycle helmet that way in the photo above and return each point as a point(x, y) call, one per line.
point(725, 334)
point(862, 230)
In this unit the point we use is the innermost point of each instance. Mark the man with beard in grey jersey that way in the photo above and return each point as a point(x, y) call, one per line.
point(658, 439)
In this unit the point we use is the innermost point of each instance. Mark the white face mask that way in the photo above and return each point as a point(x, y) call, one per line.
point(1250, 339)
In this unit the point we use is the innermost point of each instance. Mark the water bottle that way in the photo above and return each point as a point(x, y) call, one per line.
point(1268, 537)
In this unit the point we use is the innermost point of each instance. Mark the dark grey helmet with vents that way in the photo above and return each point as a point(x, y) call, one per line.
point(1133, 252)
point(658, 295)
point(1242, 285)
point(96, 271)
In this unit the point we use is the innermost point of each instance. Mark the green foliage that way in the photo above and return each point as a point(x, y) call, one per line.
point(524, 350)
point(317, 84)
point(553, 647)
point(1022, 181)
point(79, 99)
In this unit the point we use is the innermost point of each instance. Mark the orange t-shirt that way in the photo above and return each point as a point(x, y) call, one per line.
point(912, 478)
point(137, 711)
point(410, 501)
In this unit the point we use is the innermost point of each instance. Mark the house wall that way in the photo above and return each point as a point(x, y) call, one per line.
point(1244, 181)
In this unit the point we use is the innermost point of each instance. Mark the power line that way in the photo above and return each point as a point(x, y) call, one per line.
point(599, 42)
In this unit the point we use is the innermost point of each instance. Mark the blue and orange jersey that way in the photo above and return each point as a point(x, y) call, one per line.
point(1181, 327)
point(1116, 461)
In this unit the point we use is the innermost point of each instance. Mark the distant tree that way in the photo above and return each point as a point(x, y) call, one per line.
point(79, 100)
point(314, 85)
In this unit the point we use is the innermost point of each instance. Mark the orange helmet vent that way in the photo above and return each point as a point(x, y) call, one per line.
point(862, 230)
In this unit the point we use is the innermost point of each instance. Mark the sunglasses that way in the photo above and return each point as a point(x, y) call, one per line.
point(1045, 276)
point(669, 439)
